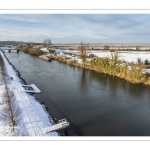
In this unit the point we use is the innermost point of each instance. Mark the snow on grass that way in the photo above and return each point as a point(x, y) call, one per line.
point(33, 116)
point(128, 56)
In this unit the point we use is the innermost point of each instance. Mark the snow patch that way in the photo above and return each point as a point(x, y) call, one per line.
point(33, 116)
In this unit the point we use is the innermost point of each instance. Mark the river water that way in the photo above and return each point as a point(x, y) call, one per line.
point(95, 104)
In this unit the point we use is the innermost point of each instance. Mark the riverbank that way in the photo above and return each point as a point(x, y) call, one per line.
point(53, 119)
point(130, 71)
point(123, 64)
point(30, 117)
point(92, 102)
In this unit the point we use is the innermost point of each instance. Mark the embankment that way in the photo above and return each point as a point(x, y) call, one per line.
point(63, 132)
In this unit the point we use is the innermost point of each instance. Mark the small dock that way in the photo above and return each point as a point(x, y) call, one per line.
point(30, 89)
point(63, 123)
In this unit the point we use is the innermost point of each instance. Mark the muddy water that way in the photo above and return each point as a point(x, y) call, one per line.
point(95, 104)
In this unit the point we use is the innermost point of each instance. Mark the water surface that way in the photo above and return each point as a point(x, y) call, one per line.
point(95, 104)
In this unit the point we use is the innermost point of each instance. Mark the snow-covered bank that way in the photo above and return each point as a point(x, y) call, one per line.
point(33, 116)
point(127, 56)
point(107, 62)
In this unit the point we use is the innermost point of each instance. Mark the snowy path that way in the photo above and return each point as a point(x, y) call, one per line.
point(33, 116)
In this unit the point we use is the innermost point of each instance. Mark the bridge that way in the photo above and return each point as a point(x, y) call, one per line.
point(9, 49)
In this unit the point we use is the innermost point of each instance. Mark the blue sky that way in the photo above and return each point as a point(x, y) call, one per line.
point(73, 28)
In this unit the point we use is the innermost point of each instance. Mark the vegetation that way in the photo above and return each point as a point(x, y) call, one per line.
point(35, 51)
point(46, 43)
point(83, 52)
point(10, 113)
point(137, 48)
point(117, 68)
point(31, 50)
point(113, 66)
point(147, 62)
point(106, 47)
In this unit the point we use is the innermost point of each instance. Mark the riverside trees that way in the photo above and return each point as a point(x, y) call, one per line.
point(83, 52)
point(113, 66)
point(31, 49)
point(46, 43)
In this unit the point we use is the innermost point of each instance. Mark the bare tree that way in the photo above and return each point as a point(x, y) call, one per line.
point(10, 113)
point(137, 48)
point(46, 43)
point(106, 47)
point(83, 52)
point(30, 45)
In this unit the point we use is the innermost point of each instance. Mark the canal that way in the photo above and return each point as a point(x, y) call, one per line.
point(95, 104)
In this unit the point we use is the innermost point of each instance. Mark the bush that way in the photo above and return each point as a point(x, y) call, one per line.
point(35, 51)
point(91, 55)
point(106, 47)
point(111, 50)
point(25, 49)
point(146, 62)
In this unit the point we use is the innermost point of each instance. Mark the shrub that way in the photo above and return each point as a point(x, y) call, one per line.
point(112, 50)
point(139, 60)
point(91, 55)
point(146, 62)
point(106, 47)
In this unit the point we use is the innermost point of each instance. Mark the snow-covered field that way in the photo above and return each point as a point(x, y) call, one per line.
point(128, 56)
point(34, 118)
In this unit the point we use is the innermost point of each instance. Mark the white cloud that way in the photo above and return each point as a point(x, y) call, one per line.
point(73, 28)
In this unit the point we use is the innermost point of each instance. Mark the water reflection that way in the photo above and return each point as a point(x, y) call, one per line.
point(83, 84)
point(116, 85)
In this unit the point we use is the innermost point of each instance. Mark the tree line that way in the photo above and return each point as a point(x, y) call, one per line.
point(30, 48)
point(113, 66)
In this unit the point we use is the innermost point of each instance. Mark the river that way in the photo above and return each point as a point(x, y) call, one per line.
point(95, 104)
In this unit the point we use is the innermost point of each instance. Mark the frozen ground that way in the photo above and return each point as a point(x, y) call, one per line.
point(128, 56)
point(34, 118)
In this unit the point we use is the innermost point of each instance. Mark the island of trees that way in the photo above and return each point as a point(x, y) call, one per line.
point(113, 66)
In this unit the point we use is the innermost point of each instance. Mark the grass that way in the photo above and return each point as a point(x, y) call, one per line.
point(114, 67)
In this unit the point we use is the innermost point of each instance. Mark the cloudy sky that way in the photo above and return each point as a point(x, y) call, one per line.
point(73, 28)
